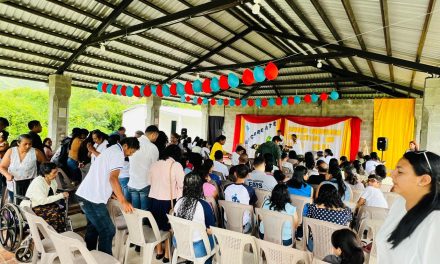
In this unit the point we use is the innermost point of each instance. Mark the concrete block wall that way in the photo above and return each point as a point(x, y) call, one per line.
point(359, 108)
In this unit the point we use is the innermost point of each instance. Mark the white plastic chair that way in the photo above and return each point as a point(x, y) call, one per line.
point(299, 202)
point(386, 187)
point(318, 261)
point(184, 232)
point(234, 214)
point(371, 212)
point(391, 197)
point(118, 220)
point(232, 246)
point(277, 254)
point(273, 224)
point(44, 247)
point(65, 247)
point(261, 195)
point(356, 195)
point(321, 232)
point(141, 235)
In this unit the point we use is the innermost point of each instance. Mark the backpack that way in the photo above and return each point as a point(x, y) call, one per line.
point(61, 155)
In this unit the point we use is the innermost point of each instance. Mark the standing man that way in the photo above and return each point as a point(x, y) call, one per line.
point(35, 128)
point(96, 189)
point(281, 137)
point(140, 163)
point(272, 148)
point(296, 145)
point(120, 132)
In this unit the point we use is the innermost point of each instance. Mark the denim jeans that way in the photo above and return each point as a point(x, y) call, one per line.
point(74, 172)
point(123, 182)
point(139, 198)
point(99, 226)
point(199, 248)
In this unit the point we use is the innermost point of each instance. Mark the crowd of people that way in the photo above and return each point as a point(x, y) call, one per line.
point(152, 172)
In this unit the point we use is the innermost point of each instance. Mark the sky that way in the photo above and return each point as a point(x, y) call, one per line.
point(8, 83)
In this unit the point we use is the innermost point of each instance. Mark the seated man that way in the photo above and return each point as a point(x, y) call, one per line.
point(322, 170)
point(218, 164)
point(240, 193)
point(258, 178)
point(43, 196)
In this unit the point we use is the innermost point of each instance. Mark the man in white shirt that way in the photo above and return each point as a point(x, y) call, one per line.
point(296, 145)
point(328, 154)
point(258, 178)
point(370, 166)
point(218, 164)
point(138, 186)
point(96, 189)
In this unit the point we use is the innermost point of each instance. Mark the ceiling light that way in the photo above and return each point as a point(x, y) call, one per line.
point(102, 46)
point(319, 64)
point(256, 9)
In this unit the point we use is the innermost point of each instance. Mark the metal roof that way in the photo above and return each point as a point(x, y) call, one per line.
point(370, 48)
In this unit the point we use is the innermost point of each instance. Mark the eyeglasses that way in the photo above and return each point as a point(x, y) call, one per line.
point(426, 158)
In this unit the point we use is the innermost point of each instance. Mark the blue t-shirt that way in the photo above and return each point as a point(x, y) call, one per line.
point(289, 209)
point(334, 182)
point(305, 191)
point(216, 178)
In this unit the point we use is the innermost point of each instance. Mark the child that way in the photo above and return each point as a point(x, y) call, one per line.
point(4, 145)
point(236, 155)
point(372, 195)
point(346, 247)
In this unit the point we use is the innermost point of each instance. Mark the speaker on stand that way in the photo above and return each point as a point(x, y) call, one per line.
point(382, 145)
point(183, 133)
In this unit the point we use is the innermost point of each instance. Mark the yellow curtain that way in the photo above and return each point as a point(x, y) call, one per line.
point(346, 139)
point(393, 119)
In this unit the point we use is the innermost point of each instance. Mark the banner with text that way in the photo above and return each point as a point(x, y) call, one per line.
point(258, 133)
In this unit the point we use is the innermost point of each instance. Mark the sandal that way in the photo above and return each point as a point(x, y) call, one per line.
point(160, 256)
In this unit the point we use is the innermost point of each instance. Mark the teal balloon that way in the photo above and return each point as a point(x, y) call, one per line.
point(129, 91)
point(219, 101)
point(231, 102)
point(205, 101)
point(197, 86)
point(118, 90)
point(166, 90)
point(271, 101)
point(259, 74)
point(153, 90)
point(284, 101)
point(180, 89)
point(258, 102)
point(243, 102)
point(99, 88)
point(315, 98)
point(215, 85)
point(233, 80)
point(194, 100)
point(334, 95)
point(142, 90)
point(297, 100)
point(182, 98)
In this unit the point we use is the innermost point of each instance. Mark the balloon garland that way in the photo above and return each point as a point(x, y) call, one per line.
point(187, 91)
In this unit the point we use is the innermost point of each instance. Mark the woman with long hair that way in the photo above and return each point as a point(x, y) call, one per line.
point(98, 145)
point(334, 177)
point(192, 207)
point(347, 248)
point(309, 162)
point(218, 145)
point(47, 147)
point(297, 185)
point(411, 231)
point(279, 201)
point(352, 180)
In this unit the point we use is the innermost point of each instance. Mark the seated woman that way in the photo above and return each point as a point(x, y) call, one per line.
point(43, 196)
point(352, 180)
point(280, 201)
point(210, 188)
point(334, 177)
point(191, 206)
point(297, 184)
point(346, 248)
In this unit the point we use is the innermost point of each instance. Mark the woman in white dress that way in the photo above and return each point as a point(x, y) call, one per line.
point(411, 231)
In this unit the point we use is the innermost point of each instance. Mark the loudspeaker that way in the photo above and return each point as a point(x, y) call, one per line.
point(183, 133)
point(382, 143)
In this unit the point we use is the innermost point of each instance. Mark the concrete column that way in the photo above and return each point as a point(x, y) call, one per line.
point(153, 107)
point(59, 95)
point(430, 128)
point(205, 121)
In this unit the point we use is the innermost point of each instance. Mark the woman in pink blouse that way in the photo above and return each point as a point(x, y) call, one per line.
point(166, 176)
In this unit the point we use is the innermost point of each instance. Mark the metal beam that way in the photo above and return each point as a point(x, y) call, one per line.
point(97, 32)
point(292, 58)
point(423, 36)
point(209, 54)
point(357, 31)
point(199, 10)
point(386, 34)
point(360, 53)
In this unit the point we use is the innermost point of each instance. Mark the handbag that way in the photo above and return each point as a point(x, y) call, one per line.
point(171, 189)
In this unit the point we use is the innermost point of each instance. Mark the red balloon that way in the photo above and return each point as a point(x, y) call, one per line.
point(173, 89)
point(159, 91)
point(224, 82)
point(308, 98)
point(147, 91)
point(189, 88)
point(123, 90)
point(137, 91)
point(279, 101)
point(113, 89)
point(213, 101)
point(248, 77)
point(324, 96)
point(264, 102)
point(104, 87)
point(250, 102)
point(226, 101)
point(237, 102)
point(187, 98)
point(206, 86)
point(290, 100)
point(271, 71)
point(199, 100)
